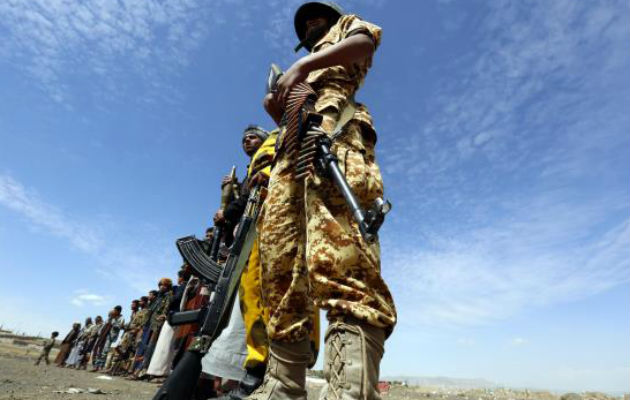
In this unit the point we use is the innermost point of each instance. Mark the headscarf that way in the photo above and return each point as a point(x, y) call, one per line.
point(166, 282)
point(256, 130)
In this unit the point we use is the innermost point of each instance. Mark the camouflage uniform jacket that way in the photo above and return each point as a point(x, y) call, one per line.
point(160, 309)
point(127, 327)
point(140, 319)
point(95, 330)
point(337, 85)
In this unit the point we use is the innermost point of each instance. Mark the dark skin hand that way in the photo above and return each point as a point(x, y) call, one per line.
point(354, 49)
point(258, 179)
point(226, 179)
point(218, 218)
point(273, 108)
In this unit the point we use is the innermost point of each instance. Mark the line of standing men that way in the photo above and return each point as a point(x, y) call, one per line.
point(90, 343)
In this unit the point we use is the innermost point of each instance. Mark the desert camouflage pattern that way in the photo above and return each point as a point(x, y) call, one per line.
point(311, 249)
point(129, 337)
point(141, 318)
point(255, 315)
point(335, 86)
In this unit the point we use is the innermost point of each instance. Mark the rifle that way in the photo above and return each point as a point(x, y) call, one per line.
point(223, 282)
point(227, 192)
point(309, 146)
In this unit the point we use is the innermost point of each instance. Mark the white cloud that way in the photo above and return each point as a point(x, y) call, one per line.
point(135, 262)
point(526, 101)
point(57, 42)
point(518, 341)
point(466, 342)
point(514, 191)
point(53, 40)
point(84, 297)
point(541, 254)
point(14, 196)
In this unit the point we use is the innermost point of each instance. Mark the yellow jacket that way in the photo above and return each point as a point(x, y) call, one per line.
point(261, 161)
point(254, 314)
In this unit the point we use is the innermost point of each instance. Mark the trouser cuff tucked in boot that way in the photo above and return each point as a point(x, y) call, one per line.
point(286, 372)
point(352, 360)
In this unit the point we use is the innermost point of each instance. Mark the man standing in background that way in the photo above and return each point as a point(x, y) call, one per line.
point(47, 346)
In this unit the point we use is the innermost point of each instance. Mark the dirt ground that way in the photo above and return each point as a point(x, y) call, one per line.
point(20, 379)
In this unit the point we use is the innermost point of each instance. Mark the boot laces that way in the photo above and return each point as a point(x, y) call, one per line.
point(337, 363)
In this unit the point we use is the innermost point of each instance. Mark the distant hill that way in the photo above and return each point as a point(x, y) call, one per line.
point(442, 381)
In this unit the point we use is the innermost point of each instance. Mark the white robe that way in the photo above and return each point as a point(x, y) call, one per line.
point(228, 352)
point(164, 353)
point(73, 357)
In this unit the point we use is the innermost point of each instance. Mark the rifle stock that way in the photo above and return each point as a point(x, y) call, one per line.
point(216, 242)
point(186, 317)
point(181, 383)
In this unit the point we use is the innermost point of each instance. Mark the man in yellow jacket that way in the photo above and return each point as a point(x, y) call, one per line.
point(259, 145)
point(255, 316)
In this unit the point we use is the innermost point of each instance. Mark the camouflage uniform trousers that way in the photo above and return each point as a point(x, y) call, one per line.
point(123, 353)
point(255, 316)
point(311, 249)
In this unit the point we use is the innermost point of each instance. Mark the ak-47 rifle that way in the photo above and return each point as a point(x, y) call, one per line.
point(228, 191)
point(309, 146)
point(222, 280)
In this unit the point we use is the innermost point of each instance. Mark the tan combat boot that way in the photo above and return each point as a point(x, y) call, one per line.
point(352, 359)
point(286, 372)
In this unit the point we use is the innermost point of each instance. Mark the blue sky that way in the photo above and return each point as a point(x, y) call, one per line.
point(503, 140)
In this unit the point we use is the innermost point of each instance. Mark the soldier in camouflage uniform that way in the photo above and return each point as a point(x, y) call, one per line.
point(141, 326)
point(311, 249)
point(126, 346)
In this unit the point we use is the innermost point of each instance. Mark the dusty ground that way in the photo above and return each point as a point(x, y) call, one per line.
point(20, 379)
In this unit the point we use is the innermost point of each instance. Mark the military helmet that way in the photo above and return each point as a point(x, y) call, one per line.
point(312, 9)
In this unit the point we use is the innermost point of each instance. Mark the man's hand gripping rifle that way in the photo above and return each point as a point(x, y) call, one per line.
point(229, 191)
point(223, 282)
point(309, 145)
